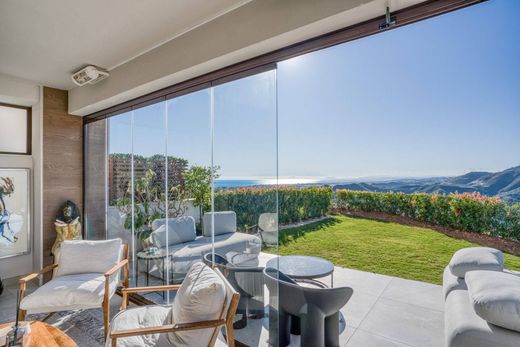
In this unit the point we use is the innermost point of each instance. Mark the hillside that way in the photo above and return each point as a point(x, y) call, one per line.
point(505, 184)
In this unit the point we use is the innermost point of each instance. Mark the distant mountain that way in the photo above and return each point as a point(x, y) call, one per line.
point(505, 184)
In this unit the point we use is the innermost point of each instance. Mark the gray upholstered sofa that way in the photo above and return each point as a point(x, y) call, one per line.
point(185, 247)
point(482, 300)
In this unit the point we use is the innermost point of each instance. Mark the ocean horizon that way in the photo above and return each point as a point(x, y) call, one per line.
point(237, 183)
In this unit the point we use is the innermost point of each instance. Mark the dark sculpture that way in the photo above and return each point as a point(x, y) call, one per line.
point(68, 213)
point(67, 225)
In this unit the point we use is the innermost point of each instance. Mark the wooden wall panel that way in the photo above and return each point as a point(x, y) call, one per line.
point(62, 162)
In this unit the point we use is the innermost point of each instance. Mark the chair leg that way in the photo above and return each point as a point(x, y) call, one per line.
point(312, 328)
point(230, 334)
point(22, 314)
point(295, 325)
point(106, 315)
point(332, 330)
point(284, 328)
point(23, 288)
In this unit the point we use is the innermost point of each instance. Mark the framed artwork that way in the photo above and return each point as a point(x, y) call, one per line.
point(15, 217)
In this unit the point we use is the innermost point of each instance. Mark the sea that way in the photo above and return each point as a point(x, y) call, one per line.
point(228, 183)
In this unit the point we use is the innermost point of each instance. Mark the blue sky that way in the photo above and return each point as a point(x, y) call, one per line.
point(439, 97)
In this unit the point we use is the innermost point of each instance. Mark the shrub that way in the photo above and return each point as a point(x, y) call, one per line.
point(294, 204)
point(468, 211)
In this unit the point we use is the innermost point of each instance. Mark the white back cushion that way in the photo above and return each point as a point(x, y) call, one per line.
point(476, 258)
point(495, 297)
point(225, 222)
point(180, 230)
point(79, 256)
point(201, 297)
point(268, 222)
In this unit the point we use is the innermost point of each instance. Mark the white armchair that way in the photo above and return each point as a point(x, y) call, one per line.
point(86, 276)
point(204, 302)
point(268, 228)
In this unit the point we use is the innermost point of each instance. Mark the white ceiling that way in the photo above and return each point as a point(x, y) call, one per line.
point(44, 41)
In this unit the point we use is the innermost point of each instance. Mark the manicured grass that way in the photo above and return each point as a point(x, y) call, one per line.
point(385, 248)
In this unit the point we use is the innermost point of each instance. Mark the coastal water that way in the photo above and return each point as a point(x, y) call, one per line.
point(240, 183)
point(223, 183)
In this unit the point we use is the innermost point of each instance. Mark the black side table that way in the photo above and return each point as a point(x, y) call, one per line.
point(143, 255)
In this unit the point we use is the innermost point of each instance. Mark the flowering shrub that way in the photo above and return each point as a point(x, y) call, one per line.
point(468, 211)
point(294, 204)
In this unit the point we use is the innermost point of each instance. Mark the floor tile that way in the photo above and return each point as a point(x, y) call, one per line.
point(357, 308)
point(364, 339)
point(413, 292)
point(7, 307)
point(410, 324)
point(360, 281)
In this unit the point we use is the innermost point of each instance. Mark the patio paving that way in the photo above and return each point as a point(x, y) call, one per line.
point(386, 310)
point(383, 311)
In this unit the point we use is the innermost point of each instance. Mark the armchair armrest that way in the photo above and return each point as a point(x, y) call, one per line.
point(22, 281)
point(116, 267)
point(114, 335)
point(126, 291)
point(151, 288)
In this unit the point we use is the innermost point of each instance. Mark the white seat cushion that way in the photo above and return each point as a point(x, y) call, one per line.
point(476, 258)
point(201, 297)
point(185, 254)
point(79, 256)
point(496, 297)
point(70, 292)
point(141, 317)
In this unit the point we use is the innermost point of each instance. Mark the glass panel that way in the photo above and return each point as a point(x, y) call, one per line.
point(95, 180)
point(150, 178)
point(189, 146)
point(119, 193)
point(245, 198)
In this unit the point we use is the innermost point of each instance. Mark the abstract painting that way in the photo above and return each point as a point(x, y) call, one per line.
point(14, 212)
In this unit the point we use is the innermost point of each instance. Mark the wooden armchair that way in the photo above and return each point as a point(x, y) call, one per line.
point(49, 297)
point(225, 319)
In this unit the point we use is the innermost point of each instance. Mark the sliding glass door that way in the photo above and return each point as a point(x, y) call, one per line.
point(192, 178)
point(245, 192)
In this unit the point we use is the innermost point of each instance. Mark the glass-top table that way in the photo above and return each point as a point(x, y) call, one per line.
point(304, 268)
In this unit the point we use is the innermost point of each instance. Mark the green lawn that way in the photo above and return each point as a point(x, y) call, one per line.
point(385, 248)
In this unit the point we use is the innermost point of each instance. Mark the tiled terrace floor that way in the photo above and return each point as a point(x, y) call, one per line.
point(383, 311)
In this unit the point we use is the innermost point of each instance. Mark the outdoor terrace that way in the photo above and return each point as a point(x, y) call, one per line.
point(383, 311)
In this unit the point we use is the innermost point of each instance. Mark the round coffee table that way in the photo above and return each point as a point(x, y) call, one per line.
point(304, 268)
point(45, 335)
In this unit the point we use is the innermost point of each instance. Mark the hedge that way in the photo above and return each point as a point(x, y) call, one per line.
point(294, 204)
point(468, 211)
